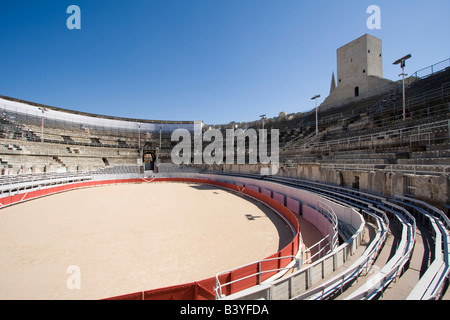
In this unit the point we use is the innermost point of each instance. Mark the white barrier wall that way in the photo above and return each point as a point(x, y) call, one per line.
point(254, 188)
point(318, 220)
point(294, 206)
point(279, 197)
point(266, 192)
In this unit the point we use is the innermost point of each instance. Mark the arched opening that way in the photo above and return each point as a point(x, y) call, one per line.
point(356, 91)
point(149, 160)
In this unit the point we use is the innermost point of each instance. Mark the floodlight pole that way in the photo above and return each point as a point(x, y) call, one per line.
point(263, 118)
point(139, 143)
point(42, 123)
point(317, 113)
point(402, 62)
point(403, 92)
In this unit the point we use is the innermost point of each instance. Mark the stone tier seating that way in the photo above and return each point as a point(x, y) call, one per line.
point(22, 156)
point(124, 169)
point(411, 262)
point(373, 130)
point(20, 126)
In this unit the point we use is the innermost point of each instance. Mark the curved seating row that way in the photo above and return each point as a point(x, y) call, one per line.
point(399, 212)
point(386, 214)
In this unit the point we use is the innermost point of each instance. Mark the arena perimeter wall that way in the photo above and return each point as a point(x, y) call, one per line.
point(204, 289)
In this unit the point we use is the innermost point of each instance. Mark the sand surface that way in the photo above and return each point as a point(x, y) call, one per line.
point(121, 239)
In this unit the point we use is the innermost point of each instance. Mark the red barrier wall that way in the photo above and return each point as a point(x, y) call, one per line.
point(204, 289)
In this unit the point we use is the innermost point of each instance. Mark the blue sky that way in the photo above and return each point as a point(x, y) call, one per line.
point(211, 60)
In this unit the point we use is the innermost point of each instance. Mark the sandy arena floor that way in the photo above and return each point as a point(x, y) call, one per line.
point(130, 238)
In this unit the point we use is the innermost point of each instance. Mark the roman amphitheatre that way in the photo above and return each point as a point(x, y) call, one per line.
point(356, 209)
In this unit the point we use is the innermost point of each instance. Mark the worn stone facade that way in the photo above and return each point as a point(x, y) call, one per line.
point(359, 72)
point(431, 189)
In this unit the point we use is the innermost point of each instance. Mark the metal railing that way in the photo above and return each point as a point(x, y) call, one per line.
point(329, 213)
point(25, 187)
point(400, 133)
point(300, 143)
point(432, 282)
point(325, 257)
point(338, 282)
point(295, 263)
point(11, 180)
point(303, 278)
point(396, 264)
point(322, 251)
point(430, 70)
point(416, 169)
point(404, 250)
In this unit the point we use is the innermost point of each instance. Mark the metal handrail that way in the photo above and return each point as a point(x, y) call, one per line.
point(320, 251)
point(25, 187)
point(10, 180)
point(219, 286)
point(440, 269)
point(338, 282)
point(370, 137)
point(323, 208)
point(404, 251)
point(415, 168)
point(432, 69)
point(397, 263)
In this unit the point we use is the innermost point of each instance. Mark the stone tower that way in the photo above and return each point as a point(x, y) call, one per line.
point(359, 59)
point(359, 71)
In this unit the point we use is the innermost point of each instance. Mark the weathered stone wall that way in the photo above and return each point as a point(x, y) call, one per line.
point(432, 189)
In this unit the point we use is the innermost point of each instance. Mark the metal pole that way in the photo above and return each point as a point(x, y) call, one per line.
point(404, 98)
point(42, 127)
point(42, 123)
point(259, 272)
point(139, 143)
point(402, 62)
point(317, 113)
point(448, 129)
point(263, 118)
point(317, 119)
